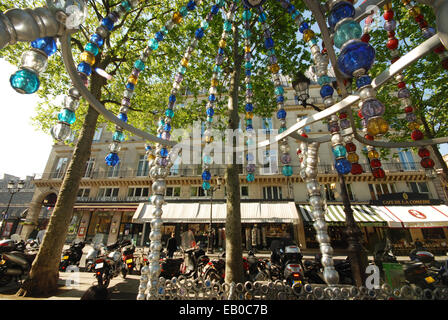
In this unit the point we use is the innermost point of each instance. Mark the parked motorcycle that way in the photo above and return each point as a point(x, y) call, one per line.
point(214, 270)
point(128, 257)
point(255, 269)
point(193, 262)
point(419, 272)
point(286, 262)
point(92, 254)
point(72, 255)
point(110, 264)
point(14, 261)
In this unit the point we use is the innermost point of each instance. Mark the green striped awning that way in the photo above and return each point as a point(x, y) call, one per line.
point(335, 216)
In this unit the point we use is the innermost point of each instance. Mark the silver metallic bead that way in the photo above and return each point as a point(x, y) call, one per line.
point(313, 187)
point(35, 60)
point(157, 223)
point(71, 103)
point(322, 237)
point(284, 148)
point(60, 131)
point(367, 92)
point(155, 235)
point(114, 147)
point(331, 276)
point(74, 92)
point(158, 187)
point(316, 201)
point(102, 31)
point(399, 77)
point(128, 94)
point(124, 109)
point(329, 101)
point(155, 246)
point(336, 139)
point(157, 200)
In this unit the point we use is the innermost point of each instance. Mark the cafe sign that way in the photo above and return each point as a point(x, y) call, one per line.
point(405, 199)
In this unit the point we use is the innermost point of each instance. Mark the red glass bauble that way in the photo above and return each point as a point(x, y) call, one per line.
point(342, 115)
point(423, 153)
point(369, 137)
point(393, 60)
point(416, 135)
point(423, 24)
point(401, 85)
point(391, 34)
point(350, 147)
point(439, 49)
point(445, 64)
point(388, 15)
point(427, 163)
point(408, 109)
point(392, 44)
point(356, 168)
point(378, 173)
point(375, 163)
point(419, 18)
point(360, 114)
point(365, 37)
point(304, 135)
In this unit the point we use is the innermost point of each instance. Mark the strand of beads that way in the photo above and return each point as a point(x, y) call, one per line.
point(354, 61)
point(33, 62)
point(285, 158)
point(227, 27)
point(427, 31)
point(67, 115)
point(159, 170)
point(112, 158)
point(403, 93)
point(249, 108)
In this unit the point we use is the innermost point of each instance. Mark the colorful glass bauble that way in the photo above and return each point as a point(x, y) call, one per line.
point(343, 166)
point(345, 31)
point(372, 108)
point(373, 154)
point(47, 45)
point(356, 169)
point(118, 136)
point(250, 177)
point(375, 163)
point(326, 90)
point(112, 159)
point(350, 147)
point(123, 117)
point(253, 3)
point(85, 68)
point(416, 135)
point(250, 168)
point(285, 158)
point(352, 157)
point(207, 159)
point(378, 173)
point(287, 171)
point(164, 152)
point(92, 48)
point(423, 153)
point(339, 151)
point(363, 81)
point(97, 39)
point(427, 163)
point(206, 175)
point(25, 81)
point(377, 126)
point(206, 185)
point(340, 11)
point(355, 55)
point(67, 116)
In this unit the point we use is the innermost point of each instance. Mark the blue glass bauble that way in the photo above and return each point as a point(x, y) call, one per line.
point(191, 5)
point(47, 45)
point(158, 36)
point(355, 55)
point(340, 11)
point(112, 159)
point(206, 185)
point(130, 86)
point(123, 117)
point(287, 171)
point(167, 127)
point(210, 112)
point(199, 33)
point(249, 107)
point(326, 91)
point(25, 81)
point(206, 175)
point(172, 98)
point(343, 166)
point(97, 39)
point(85, 68)
point(214, 9)
point(269, 43)
point(303, 27)
point(281, 114)
point(67, 116)
point(253, 3)
point(280, 99)
point(363, 81)
point(250, 157)
point(164, 152)
point(212, 97)
point(108, 23)
point(250, 177)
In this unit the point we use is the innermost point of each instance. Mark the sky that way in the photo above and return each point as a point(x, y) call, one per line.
point(25, 149)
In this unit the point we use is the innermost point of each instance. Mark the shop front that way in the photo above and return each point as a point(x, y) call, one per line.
point(261, 222)
point(372, 225)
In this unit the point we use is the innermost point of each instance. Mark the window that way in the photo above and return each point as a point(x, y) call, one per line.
point(270, 162)
point(172, 192)
point(379, 189)
point(351, 196)
point(108, 192)
point(267, 125)
point(418, 187)
point(143, 167)
point(174, 170)
point(113, 171)
point(433, 233)
point(302, 117)
point(61, 166)
point(406, 160)
point(329, 192)
point(244, 191)
point(97, 136)
point(138, 192)
point(272, 193)
point(83, 193)
point(89, 168)
point(197, 192)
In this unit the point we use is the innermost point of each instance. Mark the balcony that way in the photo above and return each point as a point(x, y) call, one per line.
point(220, 171)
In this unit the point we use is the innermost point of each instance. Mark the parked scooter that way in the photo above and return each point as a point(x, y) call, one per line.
point(255, 269)
point(71, 256)
point(14, 261)
point(215, 270)
point(92, 254)
point(128, 257)
point(193, 262)
point(286, 262)
point(110, 264)
point(418, 270)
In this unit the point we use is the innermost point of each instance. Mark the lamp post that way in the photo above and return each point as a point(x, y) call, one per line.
point(210, 234)
point(13, 188)
point(301, 86)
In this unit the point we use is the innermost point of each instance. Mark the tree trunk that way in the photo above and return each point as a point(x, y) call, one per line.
point(234, 253)
point(44, 273)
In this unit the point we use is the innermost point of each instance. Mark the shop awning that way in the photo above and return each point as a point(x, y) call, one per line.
point(414, 216)
point(364, 215)
point(251, 212)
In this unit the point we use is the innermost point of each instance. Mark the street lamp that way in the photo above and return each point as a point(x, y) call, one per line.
point(301, 86)
point(13, 188)
point(210, 235)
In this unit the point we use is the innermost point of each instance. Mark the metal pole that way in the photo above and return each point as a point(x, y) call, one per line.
point(210, 243)
point(6, 211)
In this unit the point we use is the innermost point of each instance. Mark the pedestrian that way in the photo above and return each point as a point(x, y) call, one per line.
point(96, 293)
point(171, 246)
